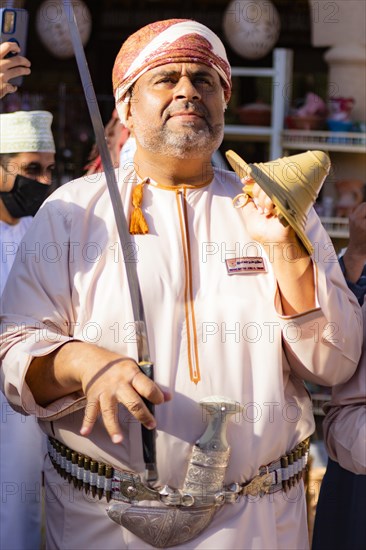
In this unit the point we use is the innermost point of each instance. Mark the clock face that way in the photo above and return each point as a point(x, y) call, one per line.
point(251, 27)
point(53, 28)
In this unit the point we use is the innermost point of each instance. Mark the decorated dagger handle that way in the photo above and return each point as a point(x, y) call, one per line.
point(211, 453)
point(148, 436)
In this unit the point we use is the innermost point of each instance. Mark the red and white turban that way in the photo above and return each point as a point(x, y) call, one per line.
point(162, 42)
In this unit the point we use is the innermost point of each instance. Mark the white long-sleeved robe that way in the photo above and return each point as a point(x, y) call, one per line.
point(22, 443)
point(210, 333)
point(345, 421)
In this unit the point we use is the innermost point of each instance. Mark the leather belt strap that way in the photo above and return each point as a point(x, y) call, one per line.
point(103, 480)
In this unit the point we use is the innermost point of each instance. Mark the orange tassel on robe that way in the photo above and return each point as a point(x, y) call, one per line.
point(138, 224)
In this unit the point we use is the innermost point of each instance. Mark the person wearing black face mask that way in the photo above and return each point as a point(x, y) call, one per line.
point(27, 157)
point(25, 197)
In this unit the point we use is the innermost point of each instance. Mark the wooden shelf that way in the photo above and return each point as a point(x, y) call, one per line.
point(279, 72)
point(336, 227)
point(247, 133)
point(318, 402)
point(282, 141)
point(351, 142)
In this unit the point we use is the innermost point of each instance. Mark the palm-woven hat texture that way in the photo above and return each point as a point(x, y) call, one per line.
point(292, 183)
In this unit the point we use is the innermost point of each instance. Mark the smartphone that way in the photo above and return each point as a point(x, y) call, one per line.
point(14, 28)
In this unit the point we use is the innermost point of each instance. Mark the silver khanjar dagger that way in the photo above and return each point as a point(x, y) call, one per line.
point(144, 361)
point(188, 511)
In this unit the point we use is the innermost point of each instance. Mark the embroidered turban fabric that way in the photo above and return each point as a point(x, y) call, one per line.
point(162, 42)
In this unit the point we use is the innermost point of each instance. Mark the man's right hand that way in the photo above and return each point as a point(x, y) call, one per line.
point(11, 67)
point(105, 378)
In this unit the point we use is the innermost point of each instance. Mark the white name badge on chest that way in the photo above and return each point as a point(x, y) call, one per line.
point(245, 265)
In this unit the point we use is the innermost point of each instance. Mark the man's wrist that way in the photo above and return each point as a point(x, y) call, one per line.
point(290, 251)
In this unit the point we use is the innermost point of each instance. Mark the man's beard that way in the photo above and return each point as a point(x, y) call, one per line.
point(187, 143)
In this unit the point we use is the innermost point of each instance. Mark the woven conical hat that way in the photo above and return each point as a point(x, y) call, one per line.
point(292, 183)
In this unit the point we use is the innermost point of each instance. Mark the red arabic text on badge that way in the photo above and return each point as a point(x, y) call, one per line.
point(247, 265)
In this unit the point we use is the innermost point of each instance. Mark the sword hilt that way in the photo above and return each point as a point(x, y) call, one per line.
point(149, 436)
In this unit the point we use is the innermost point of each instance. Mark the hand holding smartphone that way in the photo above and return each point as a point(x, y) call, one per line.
point(14, 28)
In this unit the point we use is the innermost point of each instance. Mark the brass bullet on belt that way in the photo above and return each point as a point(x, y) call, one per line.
point(101, 474)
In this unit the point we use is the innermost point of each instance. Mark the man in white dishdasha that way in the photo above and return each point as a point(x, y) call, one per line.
point(69, 352)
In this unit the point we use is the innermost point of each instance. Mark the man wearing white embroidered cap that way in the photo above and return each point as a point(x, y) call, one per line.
point(250, 333)
point(27, 160)
point(27, 157)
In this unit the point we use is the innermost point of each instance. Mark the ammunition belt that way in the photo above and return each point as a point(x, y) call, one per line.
point(103, 480)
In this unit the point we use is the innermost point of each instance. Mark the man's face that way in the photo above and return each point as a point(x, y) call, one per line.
point(37, 166)
point(178, 109)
